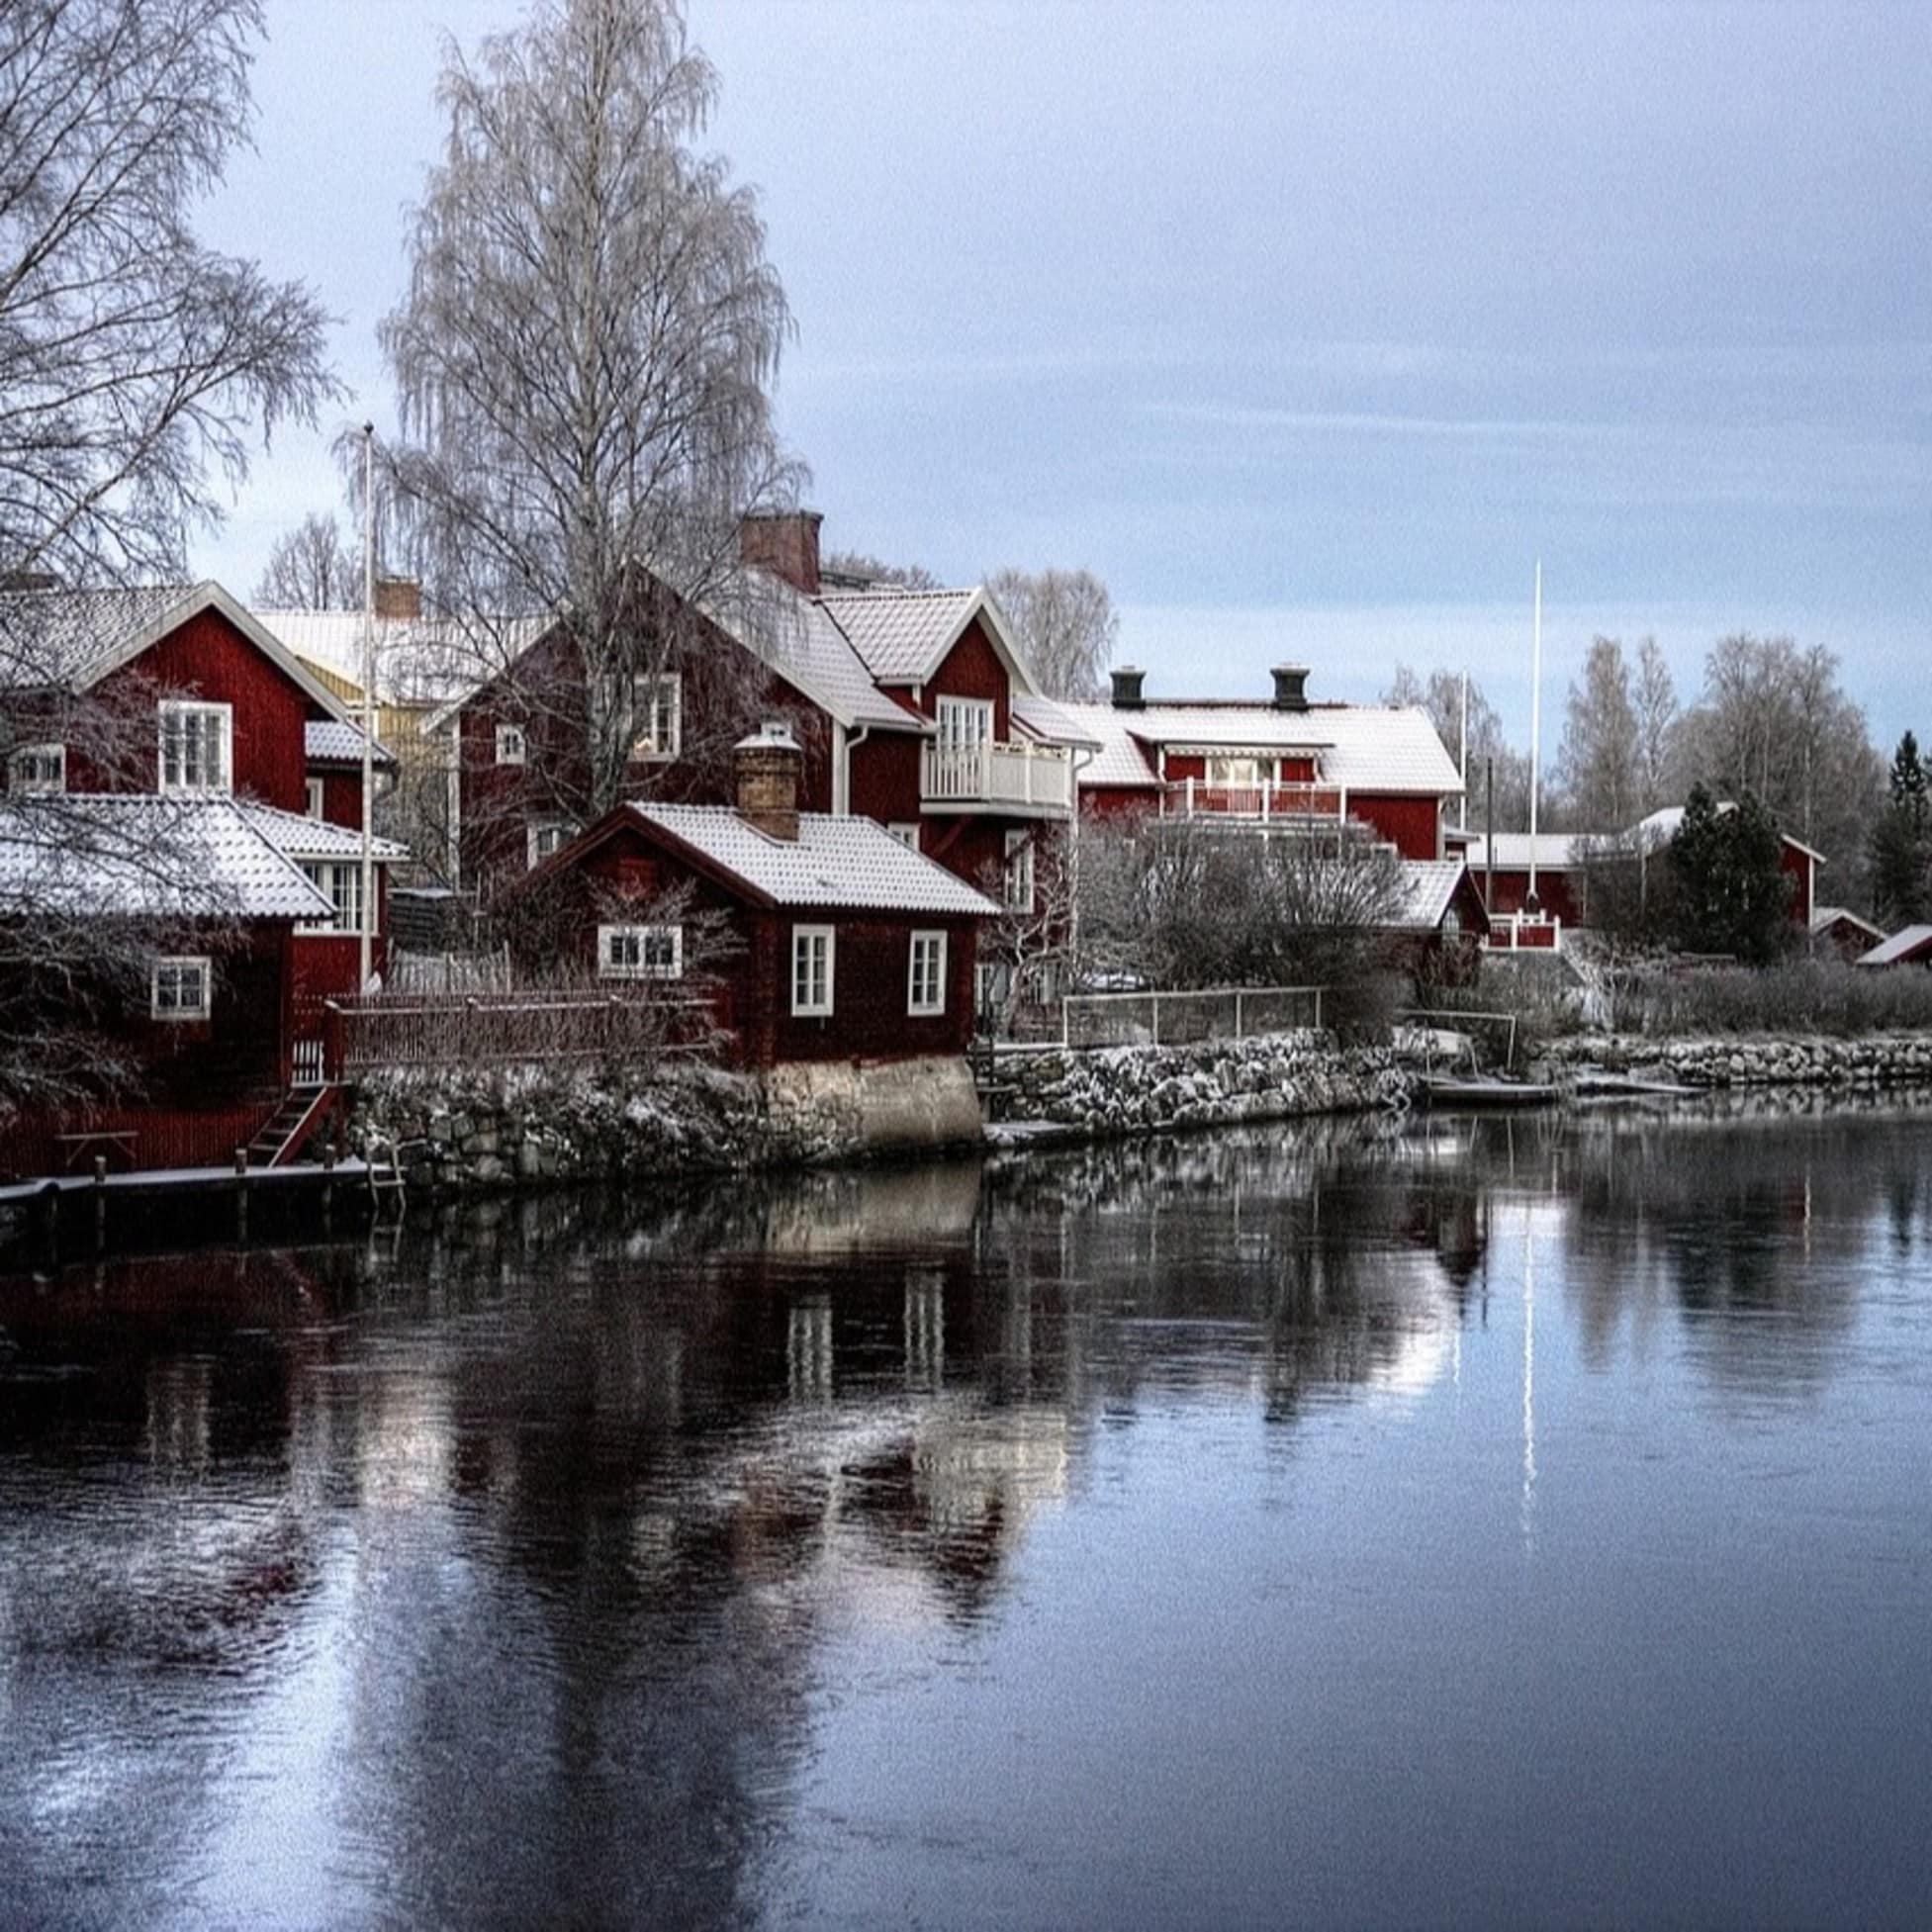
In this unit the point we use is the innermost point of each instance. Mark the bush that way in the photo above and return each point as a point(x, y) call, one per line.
point(1799, 996)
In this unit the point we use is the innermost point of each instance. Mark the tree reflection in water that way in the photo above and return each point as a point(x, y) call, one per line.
point(479, 1569)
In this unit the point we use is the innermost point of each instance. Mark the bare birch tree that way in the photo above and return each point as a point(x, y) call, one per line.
point(1653, 703)
point(583, 364)
point(859, 568)
point(1065, 625)
point(1596, 766)
point(310, 568)
point(135, 364)
point(1441, 695)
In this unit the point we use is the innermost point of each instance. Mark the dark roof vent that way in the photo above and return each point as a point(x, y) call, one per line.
point(1127, 688)
point(1291, 687)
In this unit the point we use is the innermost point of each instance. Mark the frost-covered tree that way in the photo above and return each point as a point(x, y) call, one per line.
point(1598, 767)
point(583, 362)
point(1490, 752)
point(310, 568)
point(1065, 624)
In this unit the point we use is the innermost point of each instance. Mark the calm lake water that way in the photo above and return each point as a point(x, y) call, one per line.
point(1518, 1522)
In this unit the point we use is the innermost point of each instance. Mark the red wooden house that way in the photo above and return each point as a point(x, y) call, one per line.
point(187, 695)
point(911, 709)
point(1291, 763)
point(842, 943)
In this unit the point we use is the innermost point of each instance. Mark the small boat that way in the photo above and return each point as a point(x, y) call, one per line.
point(1484, 1090)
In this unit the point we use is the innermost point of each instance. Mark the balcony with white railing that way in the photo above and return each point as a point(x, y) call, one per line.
point(1264, 801)
point(1026, 781)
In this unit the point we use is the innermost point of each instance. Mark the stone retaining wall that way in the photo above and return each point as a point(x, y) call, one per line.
point(1140, 1089)
point(1874, 1061)
point(462, 1131)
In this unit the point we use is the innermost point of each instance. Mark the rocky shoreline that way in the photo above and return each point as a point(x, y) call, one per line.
point(1749, 1060)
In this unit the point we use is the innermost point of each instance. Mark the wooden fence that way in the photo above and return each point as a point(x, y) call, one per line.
point(388, 1030)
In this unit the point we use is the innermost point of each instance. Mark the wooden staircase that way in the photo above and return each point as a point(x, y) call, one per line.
point(282, 1136)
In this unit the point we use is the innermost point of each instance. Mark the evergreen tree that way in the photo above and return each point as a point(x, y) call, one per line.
point(1731, 893)
point(1901, 841)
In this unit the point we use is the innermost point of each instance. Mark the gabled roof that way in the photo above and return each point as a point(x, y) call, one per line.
point(73, 639)
point(1050, 721)
point(1365, 747)
point(835, 864)
point(903, 635)
point(296, 836)
point(1660, 827)
point(137, 856)
point(1901, 947)
point(797, 638)
point(1827, 916)
point(1428, 885)
point(327, 741)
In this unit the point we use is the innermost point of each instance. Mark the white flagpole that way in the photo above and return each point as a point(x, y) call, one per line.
point(1462, 760)
point(1536, 731)
point(367, 949)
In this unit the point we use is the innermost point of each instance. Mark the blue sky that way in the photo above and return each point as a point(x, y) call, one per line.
point(1308, 327)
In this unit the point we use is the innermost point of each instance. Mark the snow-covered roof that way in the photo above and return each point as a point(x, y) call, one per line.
point(138, 856)
point(1365, 747)
point(329, 741)
point(902, 635)
point(834, 862)
point(799, 640)
point(1904, 945)
point(1050, 721)
point(1555, 850)
point(1429, 884)
point(296, 836)
point(1827, 916)
point(420, 660)
point(74, 638)
point(1660, 827)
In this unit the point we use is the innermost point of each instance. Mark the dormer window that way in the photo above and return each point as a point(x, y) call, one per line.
point(37, 768)
point(657, 715)
point(197, 744)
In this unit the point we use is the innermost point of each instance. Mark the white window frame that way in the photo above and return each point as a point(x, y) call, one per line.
point(933, 945)
point(657, 711)
point(906, 831)
point(339, 881)
point(19, 778)
point(174, 965)
point(513, 746)
point(540, 829)
point(612, 937)
point(173, 708)
point(816, 1001)
point(1019, 879)
point(965, 722)
point(314, 791)
point(1253, 770)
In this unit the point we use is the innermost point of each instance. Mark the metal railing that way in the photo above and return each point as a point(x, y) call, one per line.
point(1267, 801)
point(1169, 1019)
point(987, 773)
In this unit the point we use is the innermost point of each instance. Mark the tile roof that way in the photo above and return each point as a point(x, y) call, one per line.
point(66, 637)
point(1050, 721)
point(834, 863)
point(1365, 747)
point(296, 836)
point(1429, 884)
point(901, 634)
point(1900, 946)
point(138, 856)
point(329, 741)
point(799, 640)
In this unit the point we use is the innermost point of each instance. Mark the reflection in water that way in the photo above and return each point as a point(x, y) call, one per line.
point(1104, 1538)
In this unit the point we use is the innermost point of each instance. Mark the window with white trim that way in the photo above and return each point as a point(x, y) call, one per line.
point(314, 789)
point(640, 951)
point(339, 881)
point(37, 768)
point(182, 990)
point(1019, 872)
point(925, 974)
point(657, 708)
point(964, 721)
point(1224, 769)
point(197, 740)
point(811, 970)
point(907, 834)
point(548, 835)
point(510, 744)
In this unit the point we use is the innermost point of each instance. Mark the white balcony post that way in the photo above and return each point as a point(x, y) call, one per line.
point(1267, 787)
point(1190, 798)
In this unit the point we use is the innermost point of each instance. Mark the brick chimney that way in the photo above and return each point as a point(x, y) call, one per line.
point(768, 764)
point(1291, 687)
point(1127, 687)
point(783, 542)
point(399, 599)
